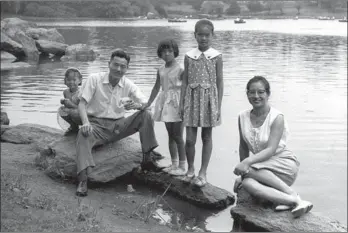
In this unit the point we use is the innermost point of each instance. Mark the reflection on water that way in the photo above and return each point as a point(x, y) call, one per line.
point(305, 62)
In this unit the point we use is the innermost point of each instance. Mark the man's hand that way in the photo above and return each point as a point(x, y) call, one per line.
point(62, 101)
point(86, 129)
point(132, 105)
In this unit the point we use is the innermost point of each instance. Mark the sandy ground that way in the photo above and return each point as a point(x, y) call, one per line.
point(31, 201)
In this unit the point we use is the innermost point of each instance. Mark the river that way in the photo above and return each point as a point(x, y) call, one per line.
point(305, 61)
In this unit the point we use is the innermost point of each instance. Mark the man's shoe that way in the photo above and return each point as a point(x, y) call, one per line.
point(82, 189)
point(156, 156)
point(149, 163)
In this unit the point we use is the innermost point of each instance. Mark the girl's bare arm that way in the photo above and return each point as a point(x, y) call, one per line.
point(219, 80)
point(155, 90)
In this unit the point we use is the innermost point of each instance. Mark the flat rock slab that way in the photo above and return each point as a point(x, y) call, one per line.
point(112, 160)
point(251, 214)
point(38, 135)
point(209, 197)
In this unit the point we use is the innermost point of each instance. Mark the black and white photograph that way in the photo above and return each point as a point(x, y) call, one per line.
point(174, 116)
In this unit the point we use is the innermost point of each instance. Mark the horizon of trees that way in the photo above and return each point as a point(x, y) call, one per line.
point(135, 8)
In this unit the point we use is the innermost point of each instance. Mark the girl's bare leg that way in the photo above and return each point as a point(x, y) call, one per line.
point(191, 137)
point(206, 151)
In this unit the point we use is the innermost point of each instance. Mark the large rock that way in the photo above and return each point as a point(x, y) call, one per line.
point(79, 52)
point(10, 46)
point(4, 118)
point(5, 56)
point(112, 160)
point(51, 47)
point(45, 34)
point(252, 214)
point(210, 197)
point(16, 23)
point(38, 135)
point(29, 46)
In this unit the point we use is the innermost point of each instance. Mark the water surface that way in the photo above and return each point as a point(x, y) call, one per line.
point(304, 60)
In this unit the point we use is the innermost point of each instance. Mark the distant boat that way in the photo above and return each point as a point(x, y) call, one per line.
point(326, 18)
point(239, 20)
point(177, 20)
point(344, 20)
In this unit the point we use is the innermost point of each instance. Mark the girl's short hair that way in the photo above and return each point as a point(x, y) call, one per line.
point(203, 22)
point(72, 70)
point(261, 79)
point(167, 44)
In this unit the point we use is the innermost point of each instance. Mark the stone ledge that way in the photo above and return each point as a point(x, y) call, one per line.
point(251, 214)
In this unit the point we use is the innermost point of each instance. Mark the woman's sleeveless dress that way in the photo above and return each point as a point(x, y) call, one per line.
point(167, 103)
point(283, 163)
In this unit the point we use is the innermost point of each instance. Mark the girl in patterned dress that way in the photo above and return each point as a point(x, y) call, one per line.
point(69, 112)
point(169, 78)
point(201, 97)
point(271, 168)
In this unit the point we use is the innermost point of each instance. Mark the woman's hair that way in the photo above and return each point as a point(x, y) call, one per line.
point(203, 22)
point(72, 70)
point(167, 44)
point(120, 53)
point(262, 80)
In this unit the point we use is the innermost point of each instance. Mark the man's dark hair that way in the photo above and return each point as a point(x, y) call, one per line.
point(167, 44)
point(120, 53)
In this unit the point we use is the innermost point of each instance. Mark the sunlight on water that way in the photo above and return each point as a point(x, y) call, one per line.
point(304, 60)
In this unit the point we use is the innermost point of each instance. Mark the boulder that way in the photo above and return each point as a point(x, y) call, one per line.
point(4, 118)
point(29, 46)
point(5, 56)
point(45, 34)
point(209, 197)
point(10, 46)
point(6, 65)
point(23, 25)
point(51, 47)
point(112, 160)
point(253, 214)
point(38, 135)
point(79, 52)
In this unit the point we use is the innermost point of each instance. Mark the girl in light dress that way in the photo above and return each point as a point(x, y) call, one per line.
point(201, 98)
point(272, 168)
point(169, 78)
point(69, 111)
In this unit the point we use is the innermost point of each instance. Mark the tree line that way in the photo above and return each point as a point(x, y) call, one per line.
point(135, 8)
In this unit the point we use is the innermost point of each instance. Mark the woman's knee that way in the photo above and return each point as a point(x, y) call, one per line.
point(190, 141)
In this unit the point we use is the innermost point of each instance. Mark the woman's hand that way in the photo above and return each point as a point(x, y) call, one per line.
point(62, 101)
point(86, 129)
point(242, 168)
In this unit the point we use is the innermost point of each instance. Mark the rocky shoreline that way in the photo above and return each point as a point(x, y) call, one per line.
point(55, 156)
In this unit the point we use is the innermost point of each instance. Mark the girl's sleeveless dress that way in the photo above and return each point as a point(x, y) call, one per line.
point(201, 97)
point(283, 163)
point(167, 103)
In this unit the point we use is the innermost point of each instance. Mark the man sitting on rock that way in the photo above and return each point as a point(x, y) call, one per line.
point(103, 101)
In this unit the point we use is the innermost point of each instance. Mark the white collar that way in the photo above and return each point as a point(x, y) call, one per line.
point(209, 54)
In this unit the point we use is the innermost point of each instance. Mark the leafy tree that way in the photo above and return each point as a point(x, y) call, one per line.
point(233, 9)
point(213, 7)
point(269, 6)
point(298, 7)
point(161, 11)
point(279, 6)
point(255, 6)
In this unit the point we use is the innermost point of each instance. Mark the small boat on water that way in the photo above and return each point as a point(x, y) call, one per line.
point(239, 20)
point(177, 20)
point(344, 20)
point(326, 18)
